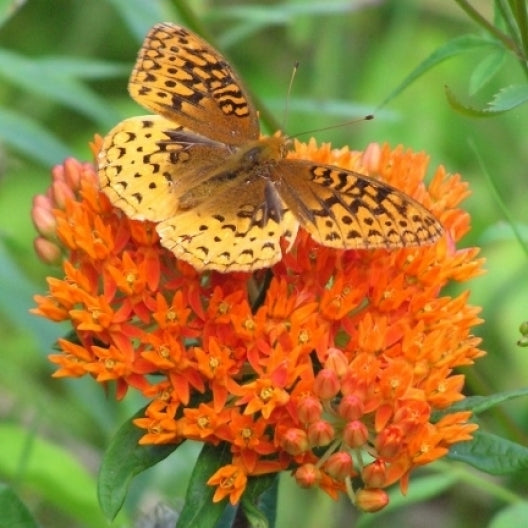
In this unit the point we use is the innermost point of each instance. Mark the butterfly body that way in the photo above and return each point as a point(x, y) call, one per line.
point(221, 196)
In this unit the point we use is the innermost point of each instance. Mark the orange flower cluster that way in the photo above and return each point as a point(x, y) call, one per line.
point(330, 364)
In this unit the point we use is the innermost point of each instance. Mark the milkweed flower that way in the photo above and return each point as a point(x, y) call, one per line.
point(331, 365)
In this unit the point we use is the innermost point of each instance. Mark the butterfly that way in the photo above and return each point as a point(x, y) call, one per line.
point(222, 197)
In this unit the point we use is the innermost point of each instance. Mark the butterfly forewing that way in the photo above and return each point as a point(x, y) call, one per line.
point(343, 209)
point(145, 165)
point(180, 76)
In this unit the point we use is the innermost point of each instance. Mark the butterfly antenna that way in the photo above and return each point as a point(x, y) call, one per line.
point(367, 117)
point(288, 95)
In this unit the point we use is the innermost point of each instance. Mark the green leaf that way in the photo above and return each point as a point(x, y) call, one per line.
point(51, 472)
point(82, 68)
point(509, 98)
point(199, 508)
point(457, 46)
point(465, 109)
point(501, 232)
point(486, 70)
point(122, 461)
point(479, 404)
point(8, 8)
point(491, 454)
point(139, 15)
point(260, 501)
point(33, 77)
point(28, 137)
point(512, 515)
point(14, 513)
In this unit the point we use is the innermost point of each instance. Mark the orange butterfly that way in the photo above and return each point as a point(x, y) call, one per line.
point(223, 197)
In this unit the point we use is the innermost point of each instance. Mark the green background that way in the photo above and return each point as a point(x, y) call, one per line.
point(352, 55)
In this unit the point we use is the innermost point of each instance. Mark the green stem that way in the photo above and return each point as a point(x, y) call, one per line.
point(518, 8)
point(500, 201)
point(481, 21)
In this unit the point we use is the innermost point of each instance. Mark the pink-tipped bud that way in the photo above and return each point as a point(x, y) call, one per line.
point(308, 476)
point(320, 433)
point(326, 384)
point(371, 158)
point(309, 409)
point(73, 170)
point(351, 407)
point(355, 434)
point(47, 251)
point(295, 441)
point(42, 216)
point(61, 193)
point(339, 465)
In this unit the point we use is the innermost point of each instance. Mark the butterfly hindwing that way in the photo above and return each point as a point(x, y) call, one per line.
point(346, 210)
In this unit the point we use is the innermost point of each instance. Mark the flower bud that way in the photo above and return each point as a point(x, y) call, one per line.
point(326, 384)
point(42, 216)
point(309, 409)
point(355, 433)
point(350, 407)
point(61, 193)
point(374, 475)
point(339, 465)
point(308, 476)
point(295, 441)
point(371, 158)
point(47, 251)
point(371, 500)
point(320, 433)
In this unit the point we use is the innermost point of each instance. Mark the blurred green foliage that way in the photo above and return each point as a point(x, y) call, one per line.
point(63, 75)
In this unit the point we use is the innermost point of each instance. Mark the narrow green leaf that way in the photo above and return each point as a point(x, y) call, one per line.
point(485, 70)
point(457, 46)
point(513, 515)
point(33, 77)
point(501, 232)
point(82, 68)
point(14, 512)
point(199, 508)
point(8, 8)
point(284, 12)
point(491, 454)
point(471, 111)
point(479, 404)
point(51, 472)
point(139, 15)
point(509, 98)
point(122, 461)
point(260, 501)
point(28, 137)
